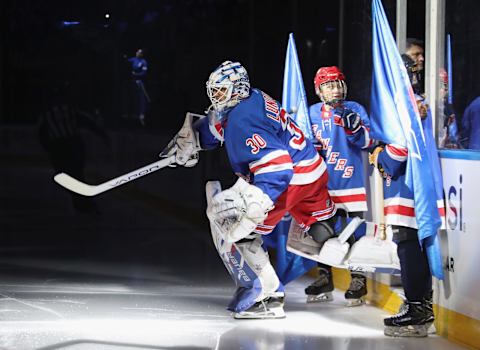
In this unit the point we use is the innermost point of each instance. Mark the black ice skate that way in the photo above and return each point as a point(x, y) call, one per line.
point(428, 304)
point(321, 289)
point(357, 290)
point(411, 321)
point(270, 307)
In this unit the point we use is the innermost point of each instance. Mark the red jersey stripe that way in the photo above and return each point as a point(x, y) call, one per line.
point(400, 210)
point(349, 198)
point(284, 159)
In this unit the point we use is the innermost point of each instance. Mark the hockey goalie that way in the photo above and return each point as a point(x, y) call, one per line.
point(279, 170)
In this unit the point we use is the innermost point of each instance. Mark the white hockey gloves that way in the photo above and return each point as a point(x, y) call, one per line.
point(239, 209)
point(185, 145)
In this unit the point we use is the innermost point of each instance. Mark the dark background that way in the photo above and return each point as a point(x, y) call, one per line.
point(184, 41)
point(42, 59)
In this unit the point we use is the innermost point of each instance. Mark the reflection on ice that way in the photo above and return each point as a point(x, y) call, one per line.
point(166, 316)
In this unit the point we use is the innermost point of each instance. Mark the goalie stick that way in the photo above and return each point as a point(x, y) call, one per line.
point(84, 189)
point(186, 134)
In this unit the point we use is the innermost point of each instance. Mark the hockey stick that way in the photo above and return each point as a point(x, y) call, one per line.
point(84, 189)
point(145, 92)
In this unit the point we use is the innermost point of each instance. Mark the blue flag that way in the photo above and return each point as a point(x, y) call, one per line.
point(452, 126)
point(294, 98)
point(289, 266)
point(395, 119)
point(449, 70)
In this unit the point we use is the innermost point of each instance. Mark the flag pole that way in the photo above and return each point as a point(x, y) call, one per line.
point(376, 180)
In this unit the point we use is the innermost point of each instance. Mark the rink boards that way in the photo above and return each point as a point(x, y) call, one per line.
point(458, 295)
point(456, 299)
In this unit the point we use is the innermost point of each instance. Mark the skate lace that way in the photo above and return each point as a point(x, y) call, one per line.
point(264, 304)
point(321, 281)
point(402, 312)
point(356, 284)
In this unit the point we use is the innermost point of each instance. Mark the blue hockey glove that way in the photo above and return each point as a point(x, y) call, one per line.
point(351, 120)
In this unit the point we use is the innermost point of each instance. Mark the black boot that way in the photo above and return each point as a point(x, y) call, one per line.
point(411, 321)
point(321, 289)
point(357, 290)
point(428, 304)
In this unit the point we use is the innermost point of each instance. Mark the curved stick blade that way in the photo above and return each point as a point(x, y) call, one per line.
point(74, 185)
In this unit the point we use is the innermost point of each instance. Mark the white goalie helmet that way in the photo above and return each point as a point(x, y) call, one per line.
point(228, 85)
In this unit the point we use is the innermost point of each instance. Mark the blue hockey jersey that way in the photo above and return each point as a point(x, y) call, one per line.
point(471, 123)
point(399, 205)
point(342, 153)
point(265, 146)
point(139, 67)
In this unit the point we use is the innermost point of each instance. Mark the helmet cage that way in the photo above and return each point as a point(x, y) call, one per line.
point(330, 85)
point(220, 94)
point(228, 85)
point(332, 92)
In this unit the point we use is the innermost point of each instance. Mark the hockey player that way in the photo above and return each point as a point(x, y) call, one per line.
point(138, 74)
point(279, 170)
point(414, 50)
point(448, 136)
point(340, 144)
point(416, 314)
point(471, 124)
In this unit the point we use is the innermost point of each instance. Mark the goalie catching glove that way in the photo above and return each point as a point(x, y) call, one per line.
point(185, 145)
point(239, 209)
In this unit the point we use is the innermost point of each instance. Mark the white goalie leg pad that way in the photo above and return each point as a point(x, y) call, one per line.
point(186, 144)
point(371, 253)
point(247, 262)
point(239, 209)
point(301, 243)
point(335, 249)
point(258, 259)
point(332, 252)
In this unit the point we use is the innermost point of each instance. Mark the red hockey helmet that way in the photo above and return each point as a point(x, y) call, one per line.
point(334, 76)
point(326, 74)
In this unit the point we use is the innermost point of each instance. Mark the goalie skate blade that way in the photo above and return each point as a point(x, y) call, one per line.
point(271, 313)
point(320, 298)
point(418, 331)
point(355, 302)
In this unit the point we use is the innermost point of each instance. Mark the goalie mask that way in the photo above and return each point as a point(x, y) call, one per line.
point(330, 85)
point(228, 85)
